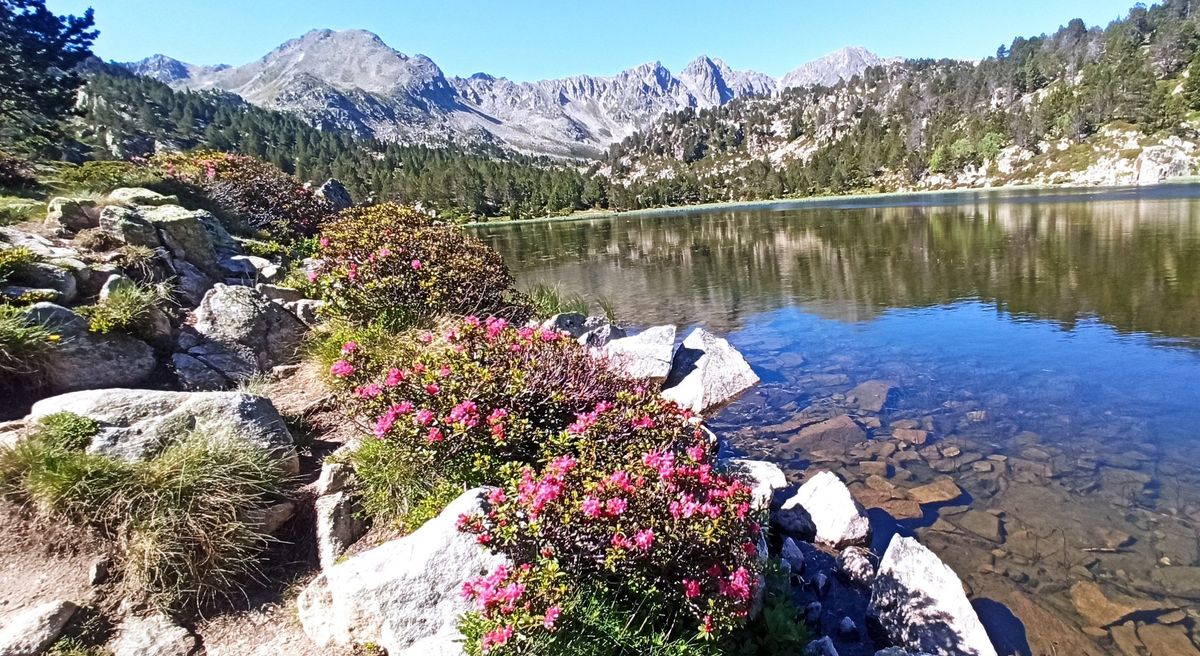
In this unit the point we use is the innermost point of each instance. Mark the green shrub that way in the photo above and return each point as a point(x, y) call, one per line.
point(127, 308)
point(546, 301)
point(22, 344)
point(12, 259)
point(268, 249)
point(391, 264)
point(14, 213)
point(105, 175)
point(180, 519)
point(68, 430)
point(250, 191)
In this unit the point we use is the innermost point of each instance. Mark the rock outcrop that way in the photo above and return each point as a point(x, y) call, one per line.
point(707, 373)
point(82, 359)
point(404, 595)
point(240, 332)
point(839, 520)
point(646, 355)
point(31, 632)
point(920, 603)
point(137, 424)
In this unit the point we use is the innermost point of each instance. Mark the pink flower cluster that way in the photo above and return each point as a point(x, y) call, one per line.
point(535, 492)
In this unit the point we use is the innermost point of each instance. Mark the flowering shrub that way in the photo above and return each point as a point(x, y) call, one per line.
point(459, 404)
point(391, 264)
point(255, 192)
point(597, 477)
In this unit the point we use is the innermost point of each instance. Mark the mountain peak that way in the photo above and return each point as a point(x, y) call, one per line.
point(829, 69)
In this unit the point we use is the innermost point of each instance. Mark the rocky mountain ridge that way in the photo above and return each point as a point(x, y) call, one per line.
point(352, 81)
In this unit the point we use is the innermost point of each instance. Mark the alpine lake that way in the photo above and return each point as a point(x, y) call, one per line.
point(1038, 348)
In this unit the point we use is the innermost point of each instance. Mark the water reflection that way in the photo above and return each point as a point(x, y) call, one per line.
point(1133, 261)
point(1045, 343)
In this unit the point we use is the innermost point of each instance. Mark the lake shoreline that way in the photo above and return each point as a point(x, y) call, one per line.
point(784, 203)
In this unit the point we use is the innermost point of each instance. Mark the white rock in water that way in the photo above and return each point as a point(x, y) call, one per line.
point(404, 595)
point(707, 373)
point(839, 519)
point(29, 633)
point(920, 603)
point(647, 354)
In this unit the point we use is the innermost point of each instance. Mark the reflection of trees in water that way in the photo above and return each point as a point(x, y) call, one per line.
point(1134, 264)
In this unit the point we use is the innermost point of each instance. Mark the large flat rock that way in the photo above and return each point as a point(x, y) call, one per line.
point(707, 373)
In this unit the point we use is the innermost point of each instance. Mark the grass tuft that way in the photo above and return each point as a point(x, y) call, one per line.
point(547, 301)
point(22, 344)
point(128, 308)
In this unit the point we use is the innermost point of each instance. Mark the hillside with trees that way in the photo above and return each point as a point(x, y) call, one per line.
point(1045, 105)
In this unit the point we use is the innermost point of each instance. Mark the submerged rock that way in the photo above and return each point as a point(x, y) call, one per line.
point(707, 373)
point(939, 491)
point(404, 595)
point(920, 604)
point(840, 429)
point(837, 518)
point(137, 424)
point(873, 395)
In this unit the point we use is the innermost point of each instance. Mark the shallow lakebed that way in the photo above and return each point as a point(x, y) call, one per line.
point(1041, 349)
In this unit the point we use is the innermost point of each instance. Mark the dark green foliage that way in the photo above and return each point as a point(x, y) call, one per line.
point(460, 185)
point(67, 431)
point(37, 86)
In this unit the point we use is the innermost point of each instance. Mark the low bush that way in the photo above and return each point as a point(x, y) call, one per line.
point(13, 259)
point(394, 265)
point(247, 190)
point(138, 262)
point(180, 518)
point(22, 344)
point(128, 308)
point(96, 240)
point(20, 212)
point(105, 175)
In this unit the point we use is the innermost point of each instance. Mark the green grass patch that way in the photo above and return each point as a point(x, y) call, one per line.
point(178, 518)
point(127, 308)
point(546, 301)
point(22, 345)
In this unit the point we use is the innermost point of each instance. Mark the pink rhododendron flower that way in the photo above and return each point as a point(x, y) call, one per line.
point(384, 251)
point(643, 539)
point(395, 377)
point(352, 272)
point(369, 391)
point(312, 275)
point(496, 496)
point(591, 507)
point(324, 242)
point(443, 371)
point(426, 337)
point(416, 264)
point(341, 369)
point(551, 617)
point(432, 389)
point(423, 417)
point(471, 320)
point(615, 506)
point(435, 435)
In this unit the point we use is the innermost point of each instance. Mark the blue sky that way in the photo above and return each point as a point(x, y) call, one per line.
point(527, 39)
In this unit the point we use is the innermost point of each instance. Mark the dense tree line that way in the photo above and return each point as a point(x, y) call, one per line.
point(923, 117)
point(127, 115)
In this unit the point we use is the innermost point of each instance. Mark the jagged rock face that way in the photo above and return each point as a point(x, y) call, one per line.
point(832, 68)
point(352, 81)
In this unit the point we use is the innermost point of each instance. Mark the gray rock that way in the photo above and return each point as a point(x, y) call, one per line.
point(247, 322)
point(601, 335)
point(306, 310)
point(822, 647)
point(334, 193)
point(129, 226)
point(40, 275)
point(31, 632)
point(85, 360)
point(185, 235)
point(920, 603)
point(764, 477)
point(571, 323)
point(272, 518)
point(795, 520)
point(873, 395)
point(847, 629)
point(156, 634)
point(404, 595)
point(334, 477)
point(279, 294)
point(236, 363)
point(25, 294)
point(137, 424)
point(839, 519)
point(645, 355)
point(140, 196)
point(857, 565)
point(194, 374)
point(192, 283)
point(339, 524)
point(100, 570)
point(73, 214)
point(115, 281)
point(36, 243)
point(791, 553)
point(707, 373)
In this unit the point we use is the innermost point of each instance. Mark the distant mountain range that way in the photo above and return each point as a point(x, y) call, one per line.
point(352, 81)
